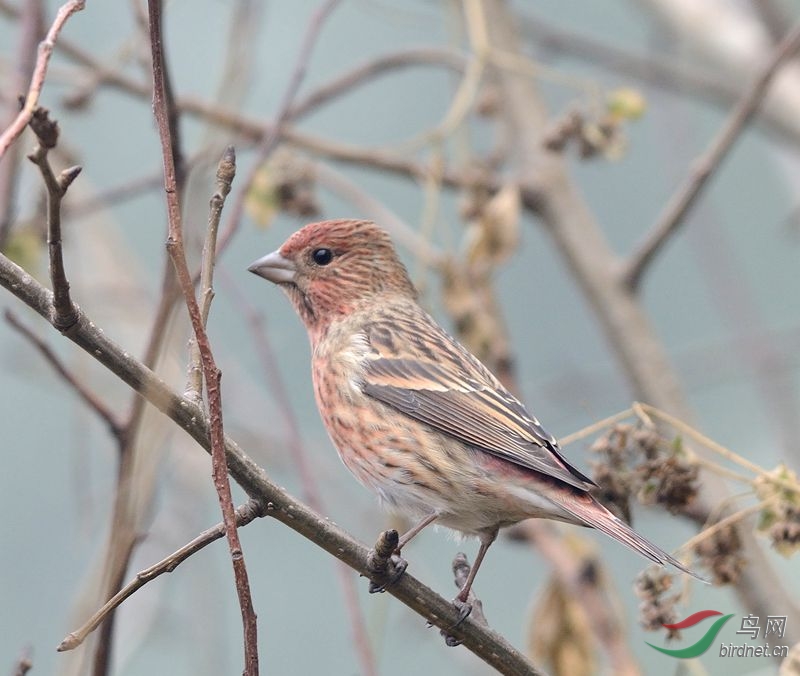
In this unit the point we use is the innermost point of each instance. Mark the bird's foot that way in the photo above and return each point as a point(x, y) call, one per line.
point(384, 563)
point(466, 603)
point(464, 609)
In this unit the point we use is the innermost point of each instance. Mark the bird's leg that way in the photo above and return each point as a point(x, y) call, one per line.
point(387, 551)
point(412, 532)
point(461, 570)
point(462, 600)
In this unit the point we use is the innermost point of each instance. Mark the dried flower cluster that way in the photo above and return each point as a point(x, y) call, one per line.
point(721, 553)
point(658, 605)
point(639, 461)
point(286, 183)
point(780, 519)
point(491, 236)
point(611, 472)
point(597, 134)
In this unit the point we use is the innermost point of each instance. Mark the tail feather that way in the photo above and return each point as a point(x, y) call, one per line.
point(590, 512)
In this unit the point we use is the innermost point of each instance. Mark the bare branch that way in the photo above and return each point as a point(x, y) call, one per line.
point(365, 72)
point(704, 166)
point(24, 664)
point(46, 131)
point(40, 71)
point(30, 30)
point(226, 170)
point(165, 119)
point(246, 513)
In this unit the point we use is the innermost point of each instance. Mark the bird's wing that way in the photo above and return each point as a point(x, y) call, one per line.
point(455, 394)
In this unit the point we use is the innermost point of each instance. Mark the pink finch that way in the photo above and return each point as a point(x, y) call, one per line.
point(415, 416)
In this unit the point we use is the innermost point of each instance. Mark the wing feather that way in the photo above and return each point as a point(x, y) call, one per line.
point(458, 396)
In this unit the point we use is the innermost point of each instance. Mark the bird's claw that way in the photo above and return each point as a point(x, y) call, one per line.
point(384, 563)
point(395, 570)
point(464, 609)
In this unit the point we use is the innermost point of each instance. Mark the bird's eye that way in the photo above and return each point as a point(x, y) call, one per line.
point(322, 256)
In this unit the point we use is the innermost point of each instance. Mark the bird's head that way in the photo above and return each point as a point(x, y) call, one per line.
point(331, 268)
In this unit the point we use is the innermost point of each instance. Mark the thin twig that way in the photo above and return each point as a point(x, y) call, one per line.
point(39, 73)
point(716, 527)
point(464, 97)
point(273, 136)
point(717, 448)
point(226, 170)
point(46, 130)
point(24, 664)
point(245, 513)
point(363, 73)
point(655, 70)
point(595, 427)
point(704, 166)
point(89, 398)
point(211, 373)
point(30, 32)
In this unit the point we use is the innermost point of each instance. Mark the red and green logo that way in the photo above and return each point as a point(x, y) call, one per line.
point(704, 643)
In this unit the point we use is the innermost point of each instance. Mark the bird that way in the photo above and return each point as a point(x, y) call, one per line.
point(413, 414)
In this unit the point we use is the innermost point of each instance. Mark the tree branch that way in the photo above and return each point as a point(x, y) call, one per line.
point(226, 170)
point(165, 117)
point(30, 33)
point(704, 166)
point(246, 513)
point(39, 72)
point(46, 131)
point(363, 73)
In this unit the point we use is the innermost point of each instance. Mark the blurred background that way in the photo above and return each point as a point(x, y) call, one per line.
point(632, 91)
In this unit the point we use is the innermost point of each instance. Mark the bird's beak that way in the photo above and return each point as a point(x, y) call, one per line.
point(275, 268)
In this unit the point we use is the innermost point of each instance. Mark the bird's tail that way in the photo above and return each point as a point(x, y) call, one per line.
point(591, 513)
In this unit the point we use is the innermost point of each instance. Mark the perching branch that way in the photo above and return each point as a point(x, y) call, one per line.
point(165, 116)
point(704, 166)
point(489, 646)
